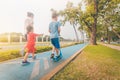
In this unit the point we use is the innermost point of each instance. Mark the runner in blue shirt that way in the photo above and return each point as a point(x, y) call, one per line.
point(54, 29)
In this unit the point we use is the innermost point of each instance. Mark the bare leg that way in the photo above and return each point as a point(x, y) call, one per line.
point(33, 55)
point(57, 51)
point(53, 49)
point(26, 56)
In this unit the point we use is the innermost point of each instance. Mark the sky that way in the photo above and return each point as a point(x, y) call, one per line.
point(13, 14)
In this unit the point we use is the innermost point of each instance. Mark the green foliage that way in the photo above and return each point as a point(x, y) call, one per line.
point(69, 15)
point(43, 48)
point(98, 16)
point(9, 54)
point(109, 16)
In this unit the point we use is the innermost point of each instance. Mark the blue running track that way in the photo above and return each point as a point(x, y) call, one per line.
point(13, 70)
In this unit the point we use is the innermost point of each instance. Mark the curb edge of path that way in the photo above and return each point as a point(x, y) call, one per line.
point(61, 66)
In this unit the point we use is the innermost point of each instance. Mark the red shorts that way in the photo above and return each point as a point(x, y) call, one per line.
point(30, 48)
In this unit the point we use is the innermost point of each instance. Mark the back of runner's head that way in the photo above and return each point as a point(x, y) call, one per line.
point(29, 29)
point(30, 14)
point(54, 15)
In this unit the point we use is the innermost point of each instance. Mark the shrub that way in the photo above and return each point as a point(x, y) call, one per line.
point(43, 48)
point(11, 54)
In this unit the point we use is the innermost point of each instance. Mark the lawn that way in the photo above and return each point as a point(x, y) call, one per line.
point(94, 63)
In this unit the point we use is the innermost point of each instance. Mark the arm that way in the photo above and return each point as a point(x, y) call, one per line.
point(59, 30)
point(49, 31)
point(38, 34)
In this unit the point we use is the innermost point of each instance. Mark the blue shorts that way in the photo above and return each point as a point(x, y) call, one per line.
point(55, 42)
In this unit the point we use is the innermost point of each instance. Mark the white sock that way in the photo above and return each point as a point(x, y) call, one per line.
point(53, 52)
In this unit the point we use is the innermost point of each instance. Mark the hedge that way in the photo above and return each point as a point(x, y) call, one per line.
point(11, 54)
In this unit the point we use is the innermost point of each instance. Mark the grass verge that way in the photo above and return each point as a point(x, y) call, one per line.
point(116, 44)
point(94, 63)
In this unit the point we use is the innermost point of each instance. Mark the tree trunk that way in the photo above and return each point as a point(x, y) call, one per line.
point(93, 38)
point(83, 36)
point(108, 36)
point(109, 39)
point(94, 27)
point(76, 33)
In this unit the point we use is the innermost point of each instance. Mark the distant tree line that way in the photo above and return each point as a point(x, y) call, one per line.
point(15, 37)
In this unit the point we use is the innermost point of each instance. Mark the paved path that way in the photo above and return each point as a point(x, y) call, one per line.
point(112, 46)
point(12, 70)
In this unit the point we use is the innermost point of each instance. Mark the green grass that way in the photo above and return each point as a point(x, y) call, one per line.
point(94, 63)
point(116, 44)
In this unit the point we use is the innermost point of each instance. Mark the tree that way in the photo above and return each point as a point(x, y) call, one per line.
point(89, 18)
point(69, 15)
point(111, 16)
point(107, 10)
point(94, 9)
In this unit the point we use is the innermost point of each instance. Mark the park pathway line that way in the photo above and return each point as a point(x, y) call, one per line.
point(111, 46)
point(46, 64)
point(35, 71)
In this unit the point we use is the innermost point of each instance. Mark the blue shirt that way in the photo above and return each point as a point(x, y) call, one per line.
point(53, 27)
